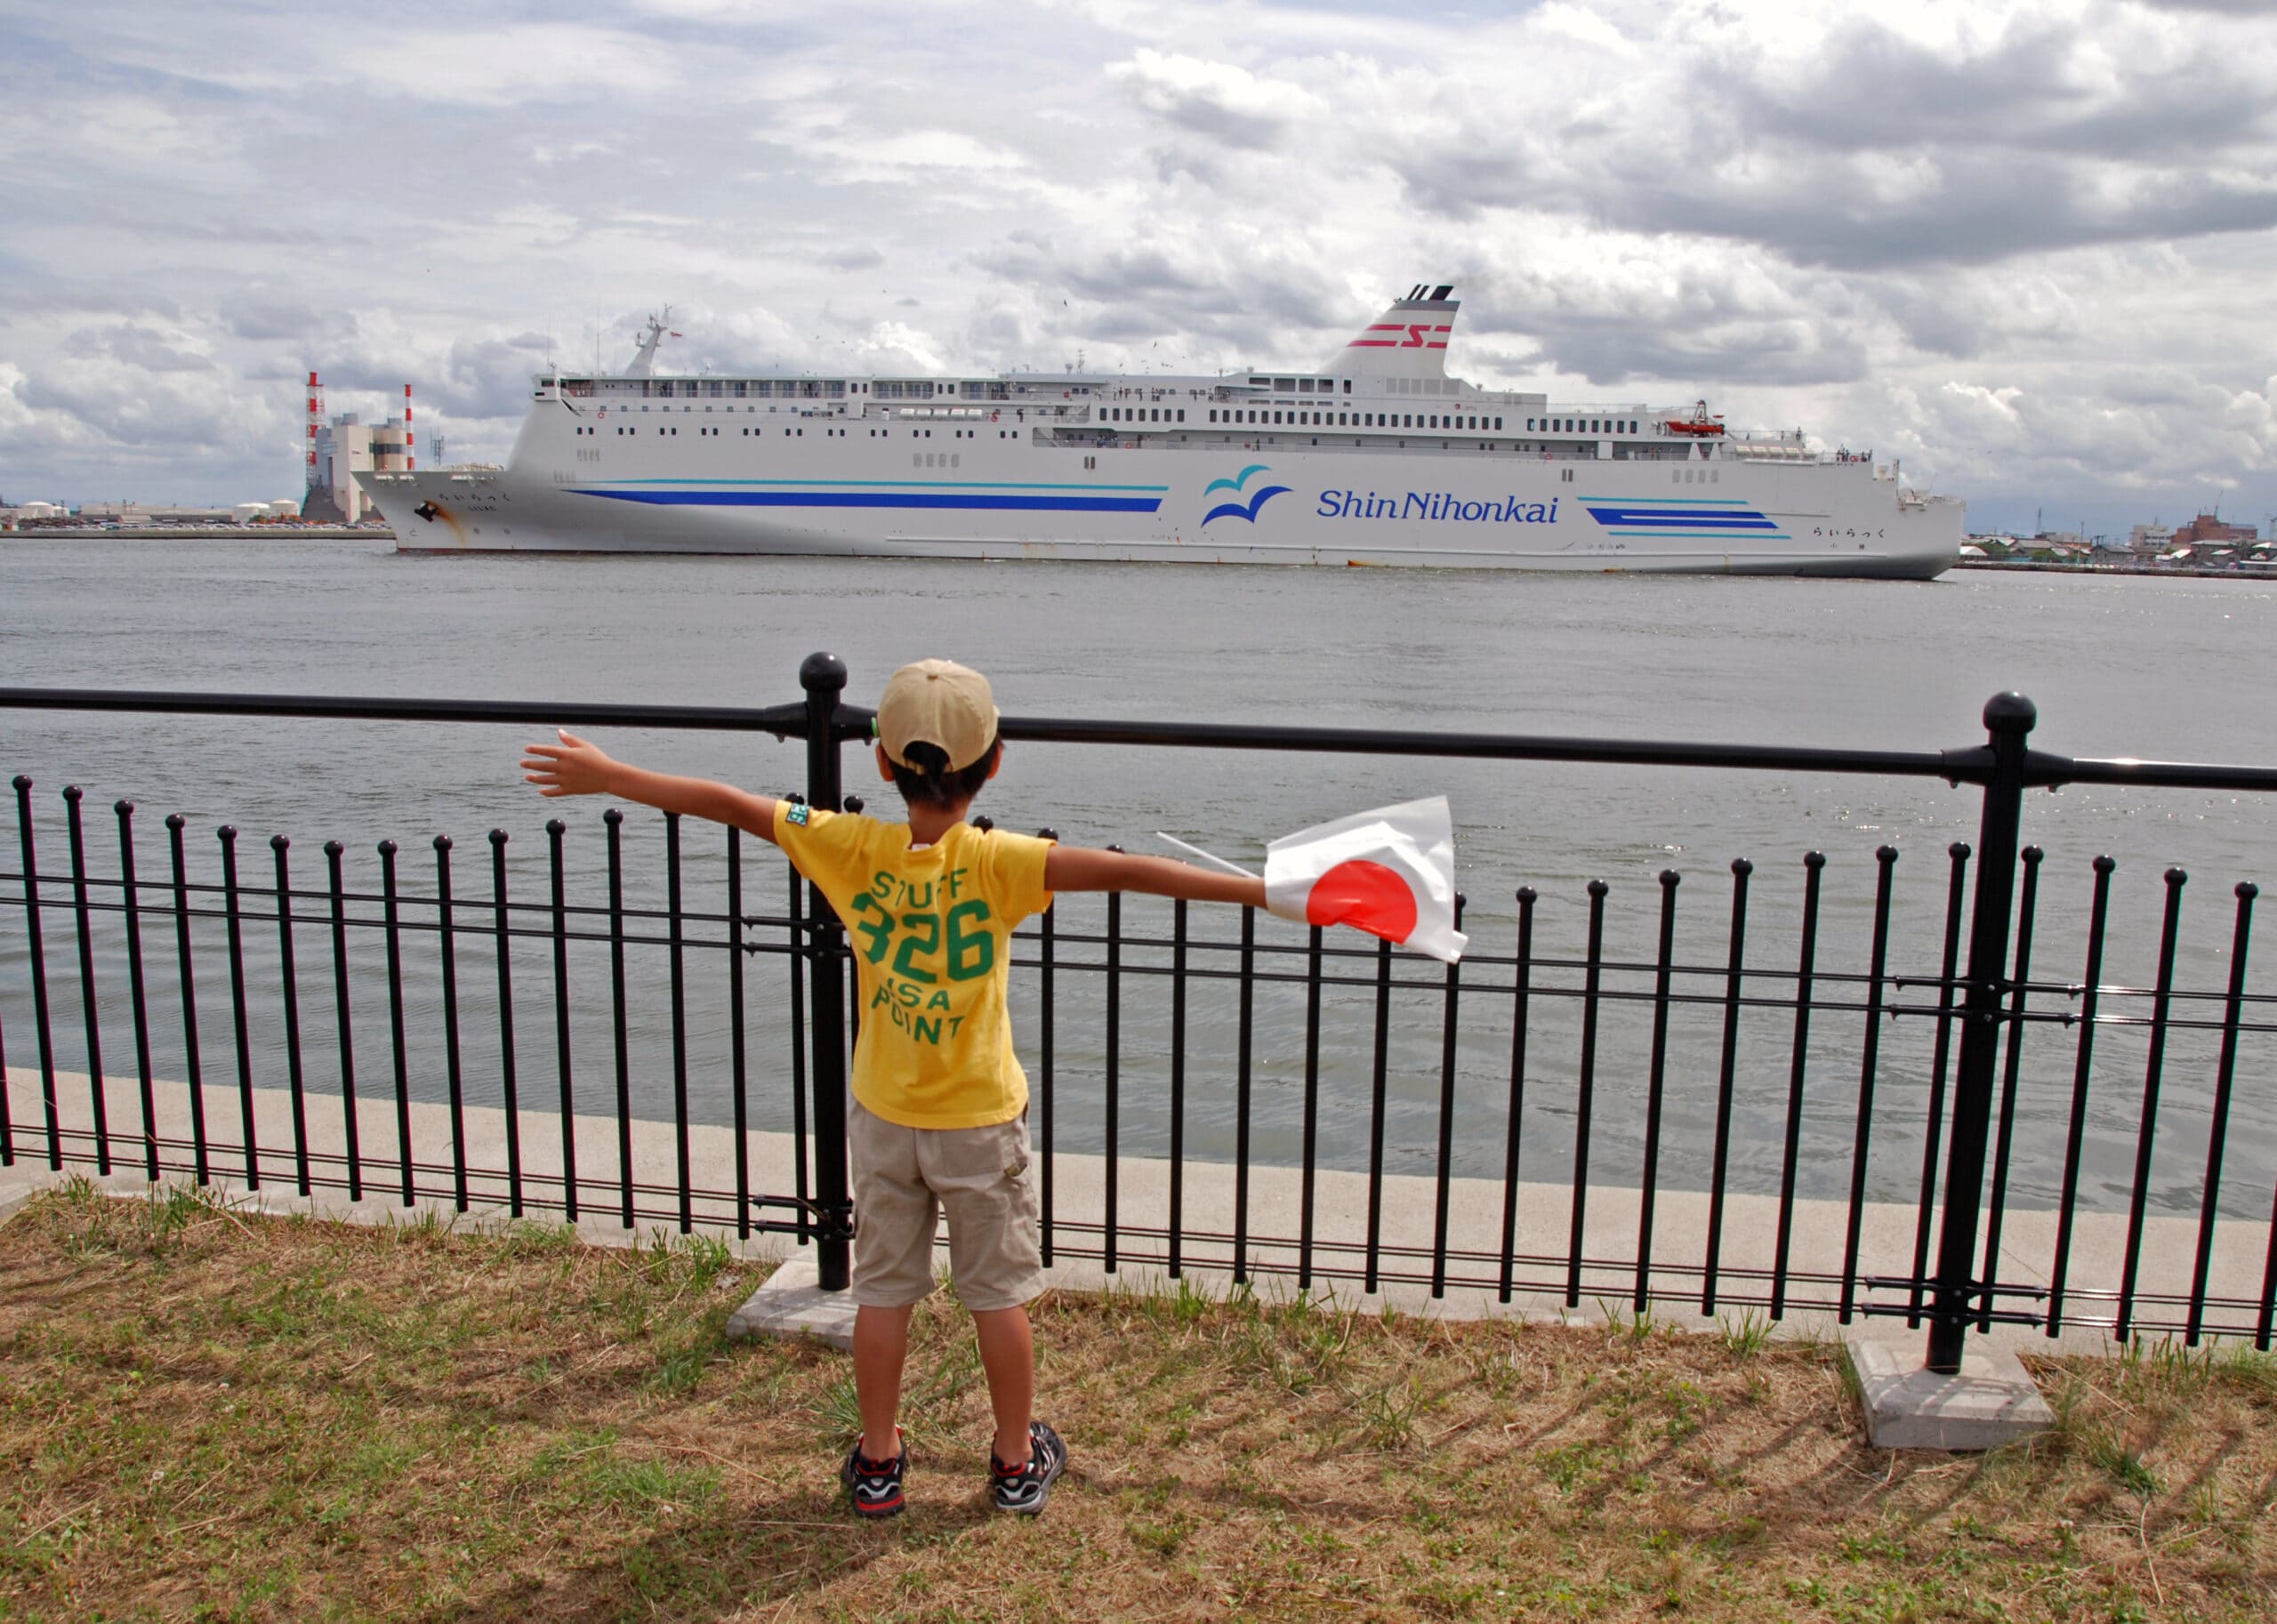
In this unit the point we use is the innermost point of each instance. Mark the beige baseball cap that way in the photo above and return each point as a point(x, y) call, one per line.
point(937, 703)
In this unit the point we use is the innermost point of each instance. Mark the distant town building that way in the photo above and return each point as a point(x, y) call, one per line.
point(145, 515)
point(2151, 540)
point(2056, 547)
point(2205, 530)
point(34, 513)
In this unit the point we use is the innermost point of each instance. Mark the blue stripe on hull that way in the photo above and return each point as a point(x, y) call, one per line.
point(1740, 520)
point(911, 485)
point(886, 499)
point(1701, 536)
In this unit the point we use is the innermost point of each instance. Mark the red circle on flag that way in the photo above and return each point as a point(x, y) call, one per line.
point(1366, 896)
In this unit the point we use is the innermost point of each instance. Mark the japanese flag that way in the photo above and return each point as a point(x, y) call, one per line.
point(1390, 873)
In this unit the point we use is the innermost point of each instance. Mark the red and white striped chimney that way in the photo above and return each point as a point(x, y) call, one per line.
point(410, 457)
point(315, 418)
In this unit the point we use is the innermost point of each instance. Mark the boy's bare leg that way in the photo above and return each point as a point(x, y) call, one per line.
point(880, 1344)
point(1008, 1354)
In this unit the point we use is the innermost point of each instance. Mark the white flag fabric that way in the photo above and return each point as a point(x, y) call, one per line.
point(1390, 873)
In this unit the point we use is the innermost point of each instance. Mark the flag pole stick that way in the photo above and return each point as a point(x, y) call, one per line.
point(1196, 851)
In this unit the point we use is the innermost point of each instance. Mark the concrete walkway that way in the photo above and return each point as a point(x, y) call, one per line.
point(1474, 1224)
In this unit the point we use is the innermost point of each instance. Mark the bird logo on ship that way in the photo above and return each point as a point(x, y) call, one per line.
point(1236, 508)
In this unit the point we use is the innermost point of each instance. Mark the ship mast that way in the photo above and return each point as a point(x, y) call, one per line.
point(644, 360)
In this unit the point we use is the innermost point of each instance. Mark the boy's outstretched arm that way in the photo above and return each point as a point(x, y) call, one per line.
point(576, 766)
point(1079, 868)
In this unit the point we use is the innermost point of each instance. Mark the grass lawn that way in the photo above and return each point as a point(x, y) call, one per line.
point(206, 1414)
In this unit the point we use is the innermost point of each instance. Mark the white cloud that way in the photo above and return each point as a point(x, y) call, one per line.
point(1584, 27)
point(1215, 99)
point(2023, 242)
point(502, 66)
point(148, 348)
point(863, 156)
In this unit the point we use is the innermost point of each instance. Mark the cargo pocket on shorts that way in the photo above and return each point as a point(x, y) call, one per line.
point(1019, 1182)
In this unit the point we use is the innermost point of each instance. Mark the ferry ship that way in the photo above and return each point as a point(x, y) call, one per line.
point(1377, 458)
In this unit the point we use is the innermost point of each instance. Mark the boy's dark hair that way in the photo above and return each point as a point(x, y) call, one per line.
point(931, 783)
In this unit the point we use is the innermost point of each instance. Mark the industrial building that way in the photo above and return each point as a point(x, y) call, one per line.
point(344, 445)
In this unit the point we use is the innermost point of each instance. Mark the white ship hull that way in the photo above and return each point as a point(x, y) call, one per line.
point(1189, 471)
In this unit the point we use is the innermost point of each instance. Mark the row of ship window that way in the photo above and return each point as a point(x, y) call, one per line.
point(963, 434)
point(812, 390)
point(1365, 420)
point(794, 388)
point(717, 388)
point(1414, 419)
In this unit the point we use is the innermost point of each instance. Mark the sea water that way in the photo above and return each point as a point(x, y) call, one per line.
point(2176, 670)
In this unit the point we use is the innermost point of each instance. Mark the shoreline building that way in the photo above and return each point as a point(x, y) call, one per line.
point(2207, 530)
point(2206, 540)
point(344, 445)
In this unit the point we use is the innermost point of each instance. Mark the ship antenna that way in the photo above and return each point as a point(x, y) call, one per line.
point(644, 359)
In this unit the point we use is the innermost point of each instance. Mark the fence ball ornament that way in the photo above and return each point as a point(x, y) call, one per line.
point(1389, 872)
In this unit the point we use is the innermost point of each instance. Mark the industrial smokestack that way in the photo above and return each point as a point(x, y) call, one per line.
point(315, 418)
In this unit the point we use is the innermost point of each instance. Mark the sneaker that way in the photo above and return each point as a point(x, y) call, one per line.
point(1024, 1487)
point(874, 1485)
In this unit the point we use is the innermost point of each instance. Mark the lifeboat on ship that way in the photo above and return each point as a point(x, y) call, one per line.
point(1700, 422)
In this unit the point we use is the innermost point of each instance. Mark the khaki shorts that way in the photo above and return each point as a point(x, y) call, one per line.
point(906, 1177)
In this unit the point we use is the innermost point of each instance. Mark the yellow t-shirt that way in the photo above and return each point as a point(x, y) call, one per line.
point(931, 929)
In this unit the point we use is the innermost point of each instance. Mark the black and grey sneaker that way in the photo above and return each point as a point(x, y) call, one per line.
point(874, 1485)
point(1024, 1487)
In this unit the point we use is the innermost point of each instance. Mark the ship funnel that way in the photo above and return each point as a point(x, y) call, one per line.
point(1408, 340)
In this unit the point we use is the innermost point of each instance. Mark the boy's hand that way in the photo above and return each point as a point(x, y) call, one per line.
point(574, 767)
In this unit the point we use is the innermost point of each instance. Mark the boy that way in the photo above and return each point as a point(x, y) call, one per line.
point(938, 1117)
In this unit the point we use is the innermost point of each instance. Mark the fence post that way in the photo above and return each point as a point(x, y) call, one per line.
point(824, 678)
point(2009, 720)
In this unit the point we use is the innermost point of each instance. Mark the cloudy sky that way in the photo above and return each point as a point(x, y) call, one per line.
point(2025, 244)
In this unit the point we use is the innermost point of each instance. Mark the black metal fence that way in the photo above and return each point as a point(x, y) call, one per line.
point(1373, 1060)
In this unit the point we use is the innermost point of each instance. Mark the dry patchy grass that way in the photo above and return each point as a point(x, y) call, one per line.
point(205, 1414)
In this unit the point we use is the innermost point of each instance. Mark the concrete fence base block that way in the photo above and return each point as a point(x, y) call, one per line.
point(1990, 1401)
point(717, 1165)
point(792, 1304)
